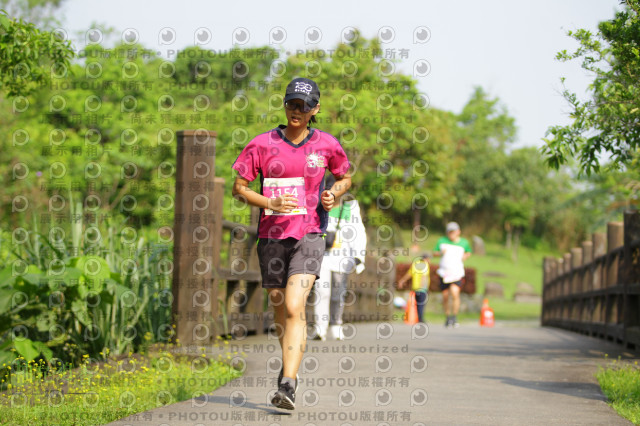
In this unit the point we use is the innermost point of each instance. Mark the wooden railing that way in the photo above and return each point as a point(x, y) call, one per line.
point(595, 289)
point(216, 278)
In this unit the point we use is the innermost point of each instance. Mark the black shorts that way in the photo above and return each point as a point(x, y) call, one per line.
point(446, 286)
point(280, 259)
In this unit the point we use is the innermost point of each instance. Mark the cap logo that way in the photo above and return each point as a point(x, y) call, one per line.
point(303, 87)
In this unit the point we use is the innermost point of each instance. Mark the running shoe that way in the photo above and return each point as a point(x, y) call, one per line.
point(454, 322)
point(449, 322)
point(285, 397)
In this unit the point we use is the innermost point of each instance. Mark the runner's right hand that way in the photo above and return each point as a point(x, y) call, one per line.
point(283, 204)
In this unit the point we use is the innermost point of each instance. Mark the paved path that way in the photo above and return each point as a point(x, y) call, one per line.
point(393, 374)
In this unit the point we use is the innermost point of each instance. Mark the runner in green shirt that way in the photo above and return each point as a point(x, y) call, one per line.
point(454, 251)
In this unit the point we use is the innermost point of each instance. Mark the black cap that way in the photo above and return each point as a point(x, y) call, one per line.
point(305, 89)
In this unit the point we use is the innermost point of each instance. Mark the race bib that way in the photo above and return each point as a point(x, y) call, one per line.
point(275, 187)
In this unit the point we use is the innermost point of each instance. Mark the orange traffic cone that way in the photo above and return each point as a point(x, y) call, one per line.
point(486, 314)
point(411, 312)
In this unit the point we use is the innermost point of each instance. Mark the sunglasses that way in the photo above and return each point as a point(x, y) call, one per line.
point(300, 106)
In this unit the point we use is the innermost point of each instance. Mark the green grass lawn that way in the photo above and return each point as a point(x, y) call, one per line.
point(528, 268)
point(504, 310)
point(497, 266)
point(99, 393)
point(497, 261)
point(621, 384)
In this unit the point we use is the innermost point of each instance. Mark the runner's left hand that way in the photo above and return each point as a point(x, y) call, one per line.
point(327, 200)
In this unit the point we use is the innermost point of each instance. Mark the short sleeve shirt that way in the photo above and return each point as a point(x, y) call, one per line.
point(462, 242)
point(451, 268)
point(271, 156)
point(420, 275)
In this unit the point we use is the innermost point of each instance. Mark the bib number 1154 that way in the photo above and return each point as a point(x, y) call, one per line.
point(276, 187)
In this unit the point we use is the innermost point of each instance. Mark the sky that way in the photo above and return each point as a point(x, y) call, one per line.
point(506, 47)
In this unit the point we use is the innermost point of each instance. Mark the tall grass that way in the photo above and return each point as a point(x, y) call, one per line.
point(101, 285)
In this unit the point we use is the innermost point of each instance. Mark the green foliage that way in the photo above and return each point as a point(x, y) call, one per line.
point(485, 129)
point(63, 300)
point(392, 139)
point(28, 56)
point(112, 118)
point(122, 138)
point(99, 140)
point(99, 393)
point(517, 214)
point(497, 266)
point(611, 192)
point(621, 385)
point(38, 12)
point(607, 124)
point(500, 190)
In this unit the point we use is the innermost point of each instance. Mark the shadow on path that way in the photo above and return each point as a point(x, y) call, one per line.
point(469, 375)
point(557, 345)
point(240, 401)
point(577, 389)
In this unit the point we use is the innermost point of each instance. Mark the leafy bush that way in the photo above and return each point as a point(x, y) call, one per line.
point(62, 301)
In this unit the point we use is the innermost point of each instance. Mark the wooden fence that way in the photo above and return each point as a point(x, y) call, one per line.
point(216, 279)
point(595, 289)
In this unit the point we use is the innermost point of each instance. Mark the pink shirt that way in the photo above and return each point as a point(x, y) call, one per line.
point(271, 156)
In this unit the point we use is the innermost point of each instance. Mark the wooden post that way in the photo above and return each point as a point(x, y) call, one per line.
point(560, 273)
point(587, 252)
point(629, 274)
point(218, 197)
point(599, 249)
point(629, 268)
point(615, 232)
point(554, 277)
point(614, 241)
point(255, 292)
point(576, 262)
point(587, 259)
point(194, 260)
point(547, 279)
point(560, 288)
point(576, 258)
point(567, 262)
point(236, 286)
point(586, 283)
point(567, 274)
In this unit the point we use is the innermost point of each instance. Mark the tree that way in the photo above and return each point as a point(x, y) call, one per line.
point(28, 56)
point(484, 129)
point(398, 146)
point(608, 124)
point(111, 121)
point(38, 12)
